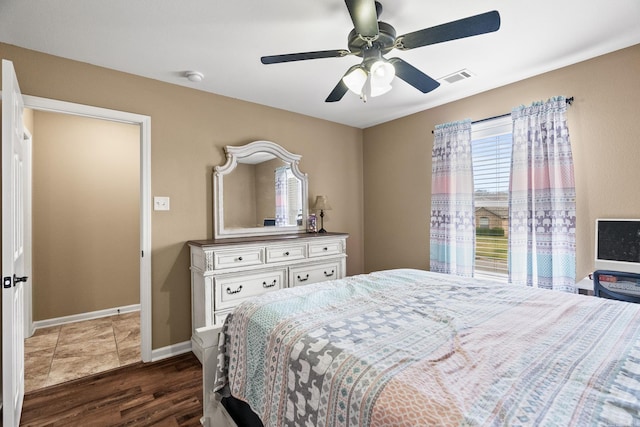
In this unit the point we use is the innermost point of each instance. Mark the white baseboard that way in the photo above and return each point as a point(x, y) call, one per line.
point(170, 351)
point(85, 316)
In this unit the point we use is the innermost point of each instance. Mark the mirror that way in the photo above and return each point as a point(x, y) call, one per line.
point(259, 191)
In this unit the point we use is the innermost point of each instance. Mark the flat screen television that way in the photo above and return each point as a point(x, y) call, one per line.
point(618, 245)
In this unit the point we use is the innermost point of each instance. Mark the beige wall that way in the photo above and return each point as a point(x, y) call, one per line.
point(86, 215)
point(603, 126)
point(189, 129)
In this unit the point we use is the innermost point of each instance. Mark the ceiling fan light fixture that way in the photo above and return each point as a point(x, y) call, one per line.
point(355, 79)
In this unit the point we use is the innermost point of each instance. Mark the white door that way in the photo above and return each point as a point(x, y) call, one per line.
point(13, 246)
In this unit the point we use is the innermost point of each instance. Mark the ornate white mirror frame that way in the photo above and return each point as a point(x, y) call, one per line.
point(244, 154)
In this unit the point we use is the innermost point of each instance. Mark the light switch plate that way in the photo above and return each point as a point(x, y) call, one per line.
point(160, 203)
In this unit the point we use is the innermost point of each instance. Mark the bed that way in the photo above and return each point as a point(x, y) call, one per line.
point(414, 348)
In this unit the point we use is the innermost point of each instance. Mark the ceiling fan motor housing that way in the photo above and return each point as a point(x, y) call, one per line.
point(384, 41)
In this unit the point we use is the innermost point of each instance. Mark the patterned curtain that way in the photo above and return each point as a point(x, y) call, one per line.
point(281, 196)
point(452, 216)
point(542, 199)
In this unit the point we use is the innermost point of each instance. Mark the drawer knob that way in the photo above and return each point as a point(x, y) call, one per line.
point(329, 274)
point(325, 249)
point(230, 292)
point(300, 279)
point(239, 258)
point(286, 253)
point(271, 285)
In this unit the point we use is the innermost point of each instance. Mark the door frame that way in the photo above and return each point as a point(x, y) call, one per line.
point(63, 107)
point(28, 236)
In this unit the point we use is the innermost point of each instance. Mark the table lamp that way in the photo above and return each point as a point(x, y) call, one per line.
point(321, 205)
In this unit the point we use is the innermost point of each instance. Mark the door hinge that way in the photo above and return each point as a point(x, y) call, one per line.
point(6, 282)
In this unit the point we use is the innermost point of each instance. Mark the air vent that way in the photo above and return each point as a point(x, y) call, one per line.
point(457, 76)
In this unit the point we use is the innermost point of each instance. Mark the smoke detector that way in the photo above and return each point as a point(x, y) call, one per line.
point(194, 76)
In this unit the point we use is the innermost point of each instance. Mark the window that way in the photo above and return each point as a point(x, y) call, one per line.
point(288, 197)
point(491, 150)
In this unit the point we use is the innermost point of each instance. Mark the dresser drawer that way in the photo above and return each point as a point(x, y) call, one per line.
point(305, 275)
point(233, 258)
point(231, 290)
point(286, 253)
point(332, 247)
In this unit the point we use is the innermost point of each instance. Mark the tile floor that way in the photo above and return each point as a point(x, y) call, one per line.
point(62, 353)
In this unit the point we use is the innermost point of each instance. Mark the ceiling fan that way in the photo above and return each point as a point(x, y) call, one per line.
point(371, 39)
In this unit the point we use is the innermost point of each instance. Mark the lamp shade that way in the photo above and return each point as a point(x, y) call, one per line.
point(321, 204)
point(379, 90)
point(355, 79)
point(382, 73)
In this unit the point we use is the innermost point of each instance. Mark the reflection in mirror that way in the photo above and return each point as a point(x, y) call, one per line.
point(260, 190)
point(262, 194)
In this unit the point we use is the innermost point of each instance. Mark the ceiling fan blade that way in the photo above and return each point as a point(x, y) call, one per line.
point(338, 92)
point(275, 59)
point(413, 76)
point(364, 16)
point(466, 27)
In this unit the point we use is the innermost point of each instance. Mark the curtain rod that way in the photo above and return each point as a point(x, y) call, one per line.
point(568, 100)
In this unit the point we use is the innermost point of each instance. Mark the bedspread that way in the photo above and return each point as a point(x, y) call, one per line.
point(415, 348)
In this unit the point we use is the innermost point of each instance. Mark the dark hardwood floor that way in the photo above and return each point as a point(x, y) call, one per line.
point(164, 393)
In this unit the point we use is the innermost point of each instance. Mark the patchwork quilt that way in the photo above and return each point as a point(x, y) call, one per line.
point(415, 348)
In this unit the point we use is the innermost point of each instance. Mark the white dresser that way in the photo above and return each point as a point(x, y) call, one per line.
point(225, 272)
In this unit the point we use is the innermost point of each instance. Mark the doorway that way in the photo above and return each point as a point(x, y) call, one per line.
point(85, 246)
point(144, 124)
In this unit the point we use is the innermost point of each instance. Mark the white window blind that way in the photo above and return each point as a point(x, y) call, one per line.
point(491, 149)
point(293, 198)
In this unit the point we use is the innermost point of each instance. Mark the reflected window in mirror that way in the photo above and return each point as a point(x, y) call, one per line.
point(288, 198)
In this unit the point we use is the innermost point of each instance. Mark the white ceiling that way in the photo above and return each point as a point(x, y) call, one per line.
point(224, 40)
